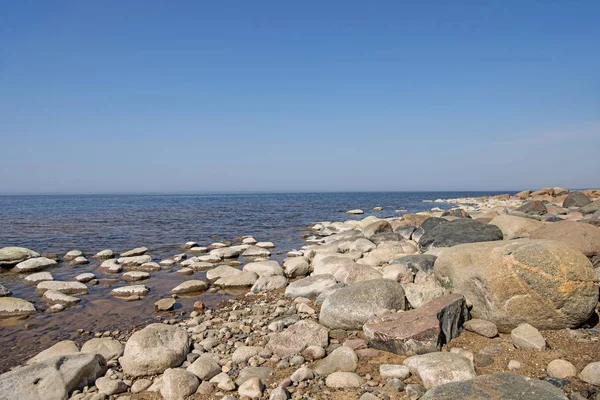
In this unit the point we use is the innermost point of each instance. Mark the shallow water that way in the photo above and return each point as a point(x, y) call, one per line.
point(57, 224)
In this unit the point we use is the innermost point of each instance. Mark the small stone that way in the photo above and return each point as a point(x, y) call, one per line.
point(482, 327)
point(252, 388)
point(526, 336)
point(561, 369)
point(514, 365)
point(302, 374)
point(394, 371)
point(140, 385)
point(344, 380)
point(164, 304)
point(85, 278)
point(133, 276)
point(109, 386)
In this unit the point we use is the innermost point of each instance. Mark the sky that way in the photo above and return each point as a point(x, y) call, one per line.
point(232, 96)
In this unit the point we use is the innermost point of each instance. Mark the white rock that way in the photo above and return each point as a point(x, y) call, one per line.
point(133, 276)
point(344, 380)
point(388, 371)
point(63, 287)
point(85, 277)
point(591, 373)
point(526, 336)
point(191, 286)
point(53, 297)
point(439, 368)
point(266, 245)
point(35, 264)
point(38, 277)
point(133, 290)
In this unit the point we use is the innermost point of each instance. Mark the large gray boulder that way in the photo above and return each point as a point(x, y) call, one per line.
point(10, 256)
point(350, 307)
point(459, 231)
point(545, 283)
point(591, 208)
point(500, 386)
point(52, 379)
point(417, 262)
point(153, 349)
point(576, 199)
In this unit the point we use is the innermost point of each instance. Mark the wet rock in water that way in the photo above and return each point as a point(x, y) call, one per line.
point(526, 336)
point(134, 276)
point(104, 254)
point(191, 286)
point(350, 307)
point(266, 245)
point(435, 369)
point(534, 207)
point(38, 277)
point(264, 268)
point(164, 304)
point(296, 267)
point(581, 236)
point(73, 254)
point(457, 232)
point(166, 263)
point(341, 359)
point(177, 383)
point(80, 261)
point(417, 262)
point(110, 386)
point(355, 212)
point(35, 264)
point(561, 369)
point(128, 291)
point(249, 240)
point(52, 379)
point(547, 284)
point(61, 286)
point(52, 297)
point(255, 251)
point(576, 199)
point(419, 331)
point(482, 327)
point(252, 388)
point(500, 386)
point(229, 252)
point(138, 251)
point(134, 260)
point(4, 292)
point(204, 368)
point(85, 277)
point(197, 250)
point(244, 278)
point(298, 337)
point(148, 267)
point(59, 349)
point(267, 283)
point(111, 266)
point(344, 380)
point(153, 349)
point(107, 347)
point(514, 227)
point(10, 256)
point(591, 373)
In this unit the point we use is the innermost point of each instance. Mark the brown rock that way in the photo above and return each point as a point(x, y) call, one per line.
point(584, 237)
point(419, 331)
point(523, 195)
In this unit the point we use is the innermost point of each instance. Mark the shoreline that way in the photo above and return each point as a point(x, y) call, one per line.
point(347, 253)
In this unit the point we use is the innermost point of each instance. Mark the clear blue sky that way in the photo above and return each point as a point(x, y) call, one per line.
point(155, 96)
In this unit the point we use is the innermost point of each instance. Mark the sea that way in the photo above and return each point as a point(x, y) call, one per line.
point(162, 223)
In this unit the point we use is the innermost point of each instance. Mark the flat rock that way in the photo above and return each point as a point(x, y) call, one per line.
point(264, 268)
point(10, 256)
point(355, 212)
point(59, 349)
point(419, 331)
point(52, 379)
point(393, 371)
point(581, 236)
point(73, 254)
point(545, 283)
point(111, 266)
point(191, 286)
point(134, 276)
point(245, 278)
point(108, 348)
point(35, 264)
point(526, 336)
point(38, 277)
point(53, 297)
point(138, 251)
point(133, 290)
point(500, 386)
point(222, 271)
point(255, 251)
point(310, 287)
point(134, 260)
point(435, 369)
point(15, 307)
point(350, 307)
point(298, 337)
point(85, 277)
point(262, 373)
point(60, 286)
point(417, 262)
point(153, 349)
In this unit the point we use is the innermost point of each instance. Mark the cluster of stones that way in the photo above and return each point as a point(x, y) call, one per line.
point(361, 289)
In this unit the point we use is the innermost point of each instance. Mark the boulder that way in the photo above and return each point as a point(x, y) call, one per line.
point(130, 291)
point(459, 231)
point(350, 307)
point(296, 267)
point(153, 349)
point(435, 369)
point(177, 384)
point(514, 227)
point(111, 266)
point(244, 278)
point(523, 194)
point(134, 276)
point(134, 260)
point(264, 268)
point(35, 264)
point(73, 254)
point(84, 278)
point(107, 347)
point(222, 271)
point(310, 287)
point(109, 386)
point(590, 374)
point(457, 213)
point(561, 369)
point(10, 256)
point(191, 286)
point(205, 368)
point(354, 273)
point(591, 208)
point(417, 262)
point(500, 386)
point(341, 359)
point(386, 252)
point(255, 251)
point(418, 294)
point(545, 283)
point(268, 283)
point(298, 337)
point(533, 207)
point(164, 304)
point(420, 331)
point(14, 307)
point(581, 236)
point(328, 264)
point(59, 349)
point(104, 254)
point(52, 379)
point(376, 227)
point(576, 199)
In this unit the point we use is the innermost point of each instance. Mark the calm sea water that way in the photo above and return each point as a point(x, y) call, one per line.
point(57, 224)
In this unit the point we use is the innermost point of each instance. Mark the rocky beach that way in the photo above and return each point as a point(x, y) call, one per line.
point(477, 297)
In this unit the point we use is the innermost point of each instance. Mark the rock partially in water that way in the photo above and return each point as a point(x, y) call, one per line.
point(111, 266)
point(10, 256)
point(134, 260)
point(38, 277)
point(191, 286)
point(73, 254)
point(104, 254)
point(4, 292)
point(134, 276)
point(85, 277)
point(52, 297)
point(53, 379)
point(61, 286)
point(35, 264)
point(130, 291)
point(138, 251)
point(164, 304)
